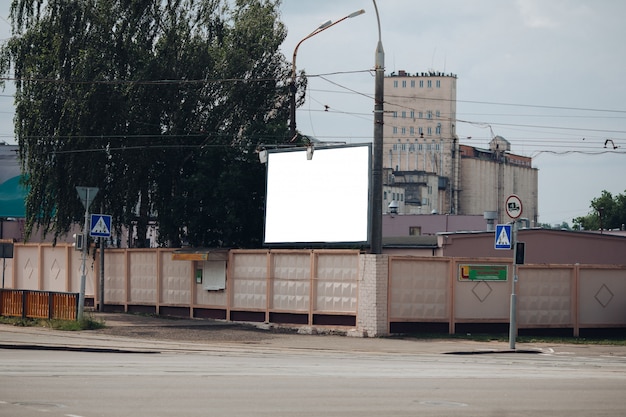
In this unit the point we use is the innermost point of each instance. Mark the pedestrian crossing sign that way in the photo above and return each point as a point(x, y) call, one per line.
point(503, 236)
point(100, 225)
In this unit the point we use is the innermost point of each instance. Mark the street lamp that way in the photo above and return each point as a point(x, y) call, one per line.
point(292, 104)
point(376, 212)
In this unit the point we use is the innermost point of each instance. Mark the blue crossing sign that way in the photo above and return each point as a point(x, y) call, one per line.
point(100, 225)
point(503, 236)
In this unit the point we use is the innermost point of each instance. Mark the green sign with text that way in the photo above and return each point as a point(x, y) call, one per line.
point(469, 272)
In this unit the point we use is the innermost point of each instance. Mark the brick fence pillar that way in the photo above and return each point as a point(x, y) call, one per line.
point(372, 296)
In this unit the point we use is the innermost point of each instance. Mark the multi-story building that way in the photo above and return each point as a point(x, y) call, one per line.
point(420, 143)
point(422, 154)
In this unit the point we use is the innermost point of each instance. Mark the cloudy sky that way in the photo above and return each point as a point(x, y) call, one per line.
point(546, 75)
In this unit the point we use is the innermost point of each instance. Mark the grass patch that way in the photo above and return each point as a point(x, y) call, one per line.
point(613, 341)
point(87, 323)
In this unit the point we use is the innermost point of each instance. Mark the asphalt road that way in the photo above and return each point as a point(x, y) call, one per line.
point(58, 374)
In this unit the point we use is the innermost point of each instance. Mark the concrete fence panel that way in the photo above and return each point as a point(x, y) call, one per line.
point(336, 282)
point(7, 272)
point(115, 276)
point(478, 300)
point(290, 282)
point(56, 267)
point(176, 280)
point(27, 262)
point(545, 296)
point(143, 277)
point(602, 296)
point(248, 281)
point(419, 291)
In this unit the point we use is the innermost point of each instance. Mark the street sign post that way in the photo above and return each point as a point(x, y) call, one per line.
point(514, 208)
point(86, 194)
point(101, 227)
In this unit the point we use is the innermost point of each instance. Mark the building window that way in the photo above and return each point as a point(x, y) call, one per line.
point(395, 83)
point(421, 83)
point(404, 115)
point(403, 83)
point(404, 133)
point(384, 195)
point(395, 130)
point(412, 83)
point(395, 114)
point(430, 131)
point(438, 83)
point(438, 129)
point(395, 146)
point(429, 115)
point(420, 130)
point(411, 130)
point(412, 114)
point(415, 230)
point(421, 115)
point(437, 114)
point(430, 83)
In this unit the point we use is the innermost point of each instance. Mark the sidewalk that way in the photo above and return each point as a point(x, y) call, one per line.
point(135, 333)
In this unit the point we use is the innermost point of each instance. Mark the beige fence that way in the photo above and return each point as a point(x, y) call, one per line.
point(434, 290)
point(324, 287)
point(303, 287)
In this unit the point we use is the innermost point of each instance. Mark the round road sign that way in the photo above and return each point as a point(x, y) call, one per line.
point(513, 206)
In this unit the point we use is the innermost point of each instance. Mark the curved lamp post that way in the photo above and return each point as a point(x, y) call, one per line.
point(292, 103)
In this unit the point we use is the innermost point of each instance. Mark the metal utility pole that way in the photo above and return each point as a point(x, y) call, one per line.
point(376, 212)
point(513, 306)
point(101, 283)
point(86, 195)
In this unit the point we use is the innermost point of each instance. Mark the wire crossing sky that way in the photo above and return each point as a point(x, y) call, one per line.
point(546, 76)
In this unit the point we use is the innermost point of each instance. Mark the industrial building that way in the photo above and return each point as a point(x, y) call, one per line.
point(434, 172)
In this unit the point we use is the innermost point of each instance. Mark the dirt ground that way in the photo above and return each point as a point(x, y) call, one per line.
point(187, 330)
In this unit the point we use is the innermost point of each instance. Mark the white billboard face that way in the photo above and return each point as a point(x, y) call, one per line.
point(322, 200)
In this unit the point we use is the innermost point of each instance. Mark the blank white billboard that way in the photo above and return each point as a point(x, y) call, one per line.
point(322, 200)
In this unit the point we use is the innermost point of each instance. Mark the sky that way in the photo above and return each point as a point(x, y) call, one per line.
point(548, 76)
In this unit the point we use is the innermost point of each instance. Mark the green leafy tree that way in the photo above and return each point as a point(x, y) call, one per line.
point(608, 212)
point(160, 104)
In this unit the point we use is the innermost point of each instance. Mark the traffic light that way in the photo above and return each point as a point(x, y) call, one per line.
point(78, 241)
point(520, 247)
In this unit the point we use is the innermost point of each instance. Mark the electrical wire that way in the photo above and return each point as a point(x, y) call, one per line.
point(390, 101)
